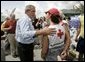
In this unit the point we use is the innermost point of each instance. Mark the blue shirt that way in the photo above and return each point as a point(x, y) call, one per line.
point(74, 22)
point(25, 30)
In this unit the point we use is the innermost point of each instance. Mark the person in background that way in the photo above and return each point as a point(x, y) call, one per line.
point(39, 23)
point(2, 47)
point(34, 23)
point(80, 44)
point(74, 26)
point(9, 26)
point(44, 24)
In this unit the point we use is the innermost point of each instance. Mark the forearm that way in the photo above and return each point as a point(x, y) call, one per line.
point(45, 42)
point(67, 39)
point(40, 32)
point(2, 27)
point(78, 32)
point(44, 47)
point(67, 45)
point(5, 29)
point(27, 34)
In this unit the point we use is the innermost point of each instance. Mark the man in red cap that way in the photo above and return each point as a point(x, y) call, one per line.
point(56, 43)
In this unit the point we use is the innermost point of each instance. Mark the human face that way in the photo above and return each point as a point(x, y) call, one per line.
point(31, 13)
point(47, 16)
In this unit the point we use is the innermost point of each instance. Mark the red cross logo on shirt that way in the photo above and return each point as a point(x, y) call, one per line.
point(59, 33)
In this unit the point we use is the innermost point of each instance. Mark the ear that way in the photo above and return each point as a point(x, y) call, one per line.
point(25, 12)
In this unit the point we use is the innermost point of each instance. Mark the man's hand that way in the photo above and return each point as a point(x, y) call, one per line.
point(6, 29)
point(63, 54)
point(43, 54)
point(47, 31)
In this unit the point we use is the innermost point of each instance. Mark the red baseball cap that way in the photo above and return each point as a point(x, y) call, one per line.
point(53, 11)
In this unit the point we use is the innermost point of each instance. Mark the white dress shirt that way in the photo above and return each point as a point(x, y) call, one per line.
point(25, 30)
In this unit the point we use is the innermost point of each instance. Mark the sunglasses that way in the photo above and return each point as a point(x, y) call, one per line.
point(47, 12)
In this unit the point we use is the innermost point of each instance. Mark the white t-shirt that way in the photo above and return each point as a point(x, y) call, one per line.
point(56, 39)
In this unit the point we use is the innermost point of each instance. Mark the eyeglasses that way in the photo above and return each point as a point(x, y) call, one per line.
point(47, 12)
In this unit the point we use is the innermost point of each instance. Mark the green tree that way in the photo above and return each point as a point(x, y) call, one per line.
point(79, 7)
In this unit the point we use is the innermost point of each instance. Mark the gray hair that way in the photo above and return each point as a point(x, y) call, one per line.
point(29, 7)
